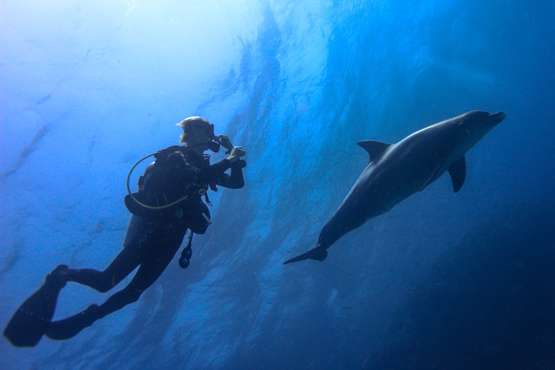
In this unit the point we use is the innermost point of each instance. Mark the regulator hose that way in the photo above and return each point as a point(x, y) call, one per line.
point(130, 193)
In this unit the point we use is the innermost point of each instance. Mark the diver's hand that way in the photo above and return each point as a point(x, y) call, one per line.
point(236, 153)
point(225, 142)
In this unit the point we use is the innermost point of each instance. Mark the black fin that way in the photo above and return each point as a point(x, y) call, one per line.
point(375, 149)
point(457, 171)
point(31, 320)
point(318, 254)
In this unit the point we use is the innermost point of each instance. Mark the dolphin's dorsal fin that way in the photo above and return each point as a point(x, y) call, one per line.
point(457, 171)
point(375, 149)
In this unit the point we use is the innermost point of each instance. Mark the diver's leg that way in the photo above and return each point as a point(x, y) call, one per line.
point(150, 269)
point(148, 273)
point(138, 234)
point(125, 262)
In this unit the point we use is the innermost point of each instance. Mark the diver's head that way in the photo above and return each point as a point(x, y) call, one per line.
point(198, 134)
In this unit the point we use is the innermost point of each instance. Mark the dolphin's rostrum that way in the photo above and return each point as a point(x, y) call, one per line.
point(395, 171)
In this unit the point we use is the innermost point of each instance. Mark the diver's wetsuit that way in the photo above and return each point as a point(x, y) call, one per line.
point(150, 244)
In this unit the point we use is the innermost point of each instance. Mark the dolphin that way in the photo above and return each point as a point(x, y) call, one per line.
point(396, 171)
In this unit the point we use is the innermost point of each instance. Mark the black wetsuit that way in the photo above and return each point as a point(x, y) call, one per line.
point(150, 244)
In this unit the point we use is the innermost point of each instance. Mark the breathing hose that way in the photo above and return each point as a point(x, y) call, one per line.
point(130, 193)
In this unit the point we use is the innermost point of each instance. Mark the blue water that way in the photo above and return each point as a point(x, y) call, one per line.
point(443, 281)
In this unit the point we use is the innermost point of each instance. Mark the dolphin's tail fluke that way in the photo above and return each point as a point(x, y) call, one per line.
point(317, 253)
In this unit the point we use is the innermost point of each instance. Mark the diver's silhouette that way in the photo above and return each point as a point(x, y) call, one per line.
point(168, 203)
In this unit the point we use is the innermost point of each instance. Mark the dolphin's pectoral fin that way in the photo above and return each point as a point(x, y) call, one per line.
point(457, 171)
point(317, 253)
point(375, 149)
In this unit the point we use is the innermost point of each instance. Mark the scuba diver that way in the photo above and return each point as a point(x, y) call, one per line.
point(169, 202)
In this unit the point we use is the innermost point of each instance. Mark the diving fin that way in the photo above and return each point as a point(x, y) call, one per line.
point(318, 254)
point(31, 320)
point(457, 171)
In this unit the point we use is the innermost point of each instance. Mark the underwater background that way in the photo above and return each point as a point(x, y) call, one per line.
point(443, 281)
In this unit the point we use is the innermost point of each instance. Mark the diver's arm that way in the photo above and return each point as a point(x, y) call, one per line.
point(235, 180)
point(214, 171)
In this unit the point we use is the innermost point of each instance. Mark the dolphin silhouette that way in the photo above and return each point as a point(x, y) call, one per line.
point(398, 170)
